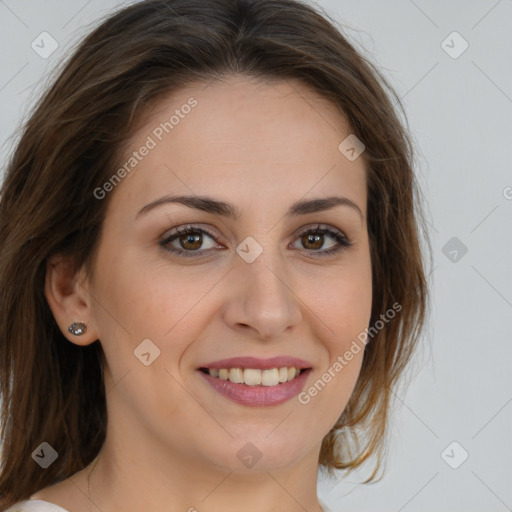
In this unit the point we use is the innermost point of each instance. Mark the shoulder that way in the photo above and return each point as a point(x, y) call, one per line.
point(35, 506)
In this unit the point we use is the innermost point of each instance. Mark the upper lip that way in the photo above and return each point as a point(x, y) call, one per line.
point(257, 363)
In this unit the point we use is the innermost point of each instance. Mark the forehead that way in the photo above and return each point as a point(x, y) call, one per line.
point(271, 141)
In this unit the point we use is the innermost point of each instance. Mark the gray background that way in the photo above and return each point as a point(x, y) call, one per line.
point(460, 112)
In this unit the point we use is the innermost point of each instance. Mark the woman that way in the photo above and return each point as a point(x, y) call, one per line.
point(210, 264)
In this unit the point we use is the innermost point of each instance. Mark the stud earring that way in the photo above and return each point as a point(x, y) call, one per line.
point(77, 328)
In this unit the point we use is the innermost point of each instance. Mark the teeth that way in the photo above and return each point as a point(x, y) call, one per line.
point(236, 375)
point(270, 377)
point(254, 376)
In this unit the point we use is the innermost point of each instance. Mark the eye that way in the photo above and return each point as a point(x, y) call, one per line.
point(191, 240)
point(314, 239)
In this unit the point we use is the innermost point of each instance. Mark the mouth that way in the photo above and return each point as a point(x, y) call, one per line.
point(255, 376)
point(257, 382)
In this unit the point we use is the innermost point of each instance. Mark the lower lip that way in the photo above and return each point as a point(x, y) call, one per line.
point(258, 396)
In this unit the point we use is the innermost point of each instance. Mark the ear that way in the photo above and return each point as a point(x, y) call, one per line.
point(67, 294)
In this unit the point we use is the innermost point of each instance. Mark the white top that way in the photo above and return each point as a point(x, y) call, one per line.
point(35, 506)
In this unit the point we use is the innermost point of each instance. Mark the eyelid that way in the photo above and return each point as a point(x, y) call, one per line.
point(337, 234)
point(215, 235)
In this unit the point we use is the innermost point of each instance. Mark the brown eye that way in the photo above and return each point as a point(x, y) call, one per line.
point(313, 240)
point(191, 241)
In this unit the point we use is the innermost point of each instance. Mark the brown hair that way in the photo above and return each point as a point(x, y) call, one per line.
point(52, 390)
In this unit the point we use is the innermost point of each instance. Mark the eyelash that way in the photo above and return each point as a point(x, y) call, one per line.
point(342, 240)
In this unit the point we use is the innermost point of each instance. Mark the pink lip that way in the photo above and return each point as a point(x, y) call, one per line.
point(257, 396)
point(255, 362)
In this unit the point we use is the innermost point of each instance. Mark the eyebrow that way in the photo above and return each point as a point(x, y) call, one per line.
point(214, 206)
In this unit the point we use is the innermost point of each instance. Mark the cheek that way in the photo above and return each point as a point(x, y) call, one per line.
point(343, 312)
point(151, 299)
point(135, 303)
point(343, 302)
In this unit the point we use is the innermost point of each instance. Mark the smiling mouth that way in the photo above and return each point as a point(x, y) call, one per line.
point(255, 376)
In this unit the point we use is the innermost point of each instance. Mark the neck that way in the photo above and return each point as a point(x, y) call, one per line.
point(131, 480)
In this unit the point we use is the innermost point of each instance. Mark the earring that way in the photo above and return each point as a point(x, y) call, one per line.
point(77, 328)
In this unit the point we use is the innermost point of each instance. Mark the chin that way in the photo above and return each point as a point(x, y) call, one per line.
point(253, 454)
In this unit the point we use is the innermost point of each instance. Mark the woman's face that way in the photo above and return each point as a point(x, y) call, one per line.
point(251, 285)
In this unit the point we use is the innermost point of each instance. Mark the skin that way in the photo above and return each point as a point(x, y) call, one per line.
point(172, 441)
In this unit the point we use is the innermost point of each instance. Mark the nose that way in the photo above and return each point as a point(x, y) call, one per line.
point(263, 299)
